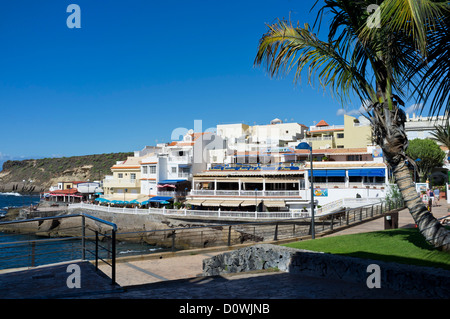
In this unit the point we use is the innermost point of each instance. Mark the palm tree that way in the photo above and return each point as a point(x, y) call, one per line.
point(373, 61)
point(442, 134)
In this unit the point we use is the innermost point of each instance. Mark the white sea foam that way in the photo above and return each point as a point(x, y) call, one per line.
point(10, 194)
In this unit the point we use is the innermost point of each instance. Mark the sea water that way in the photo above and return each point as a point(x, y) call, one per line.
point(16, 250)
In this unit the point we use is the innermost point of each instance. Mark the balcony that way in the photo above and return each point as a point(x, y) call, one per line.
point(121, 182)
point(246, 193)
point(172, 193)
point(326, 128)
point(320, 138)
point(180, 159)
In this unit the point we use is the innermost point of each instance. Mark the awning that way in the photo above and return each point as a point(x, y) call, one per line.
point(211, 202)
point(274, 203)
point(159, 199)
point(250, 202)
point(172, 181)
point(367, 172)
point(318, 172)
point(328, 172)
point(166, 185)
point(195, 202)
point(101, 199)
point(336, 172)
point(231, 203)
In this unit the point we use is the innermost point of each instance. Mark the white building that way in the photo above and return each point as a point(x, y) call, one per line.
point(244, 138)
point(421, 126)
point(168, 172)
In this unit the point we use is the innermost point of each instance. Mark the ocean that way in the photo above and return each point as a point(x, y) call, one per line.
point(20, 254)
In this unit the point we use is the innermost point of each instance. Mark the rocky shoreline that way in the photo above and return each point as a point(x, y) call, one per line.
point(22, 188)
point(147, 229)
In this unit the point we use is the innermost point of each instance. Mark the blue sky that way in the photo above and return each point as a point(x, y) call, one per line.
point(138, 69)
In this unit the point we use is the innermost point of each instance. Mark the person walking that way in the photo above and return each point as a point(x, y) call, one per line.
point(430, 199)
point(436, 196)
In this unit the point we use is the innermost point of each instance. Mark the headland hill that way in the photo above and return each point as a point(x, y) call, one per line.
point(37, 175)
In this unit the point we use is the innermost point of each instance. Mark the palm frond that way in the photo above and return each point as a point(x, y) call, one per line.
point(414, 18)
point(442, 134)
point(285, 47)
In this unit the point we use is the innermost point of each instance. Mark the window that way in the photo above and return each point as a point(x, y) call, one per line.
point(133, 176)
point(174, 169)
point(340, 135)
point(120, 175)
point(354, 157)
point(153, 169)
point(340, 146)
point(144, 169)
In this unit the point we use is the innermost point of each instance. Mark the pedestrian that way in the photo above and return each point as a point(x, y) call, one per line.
point(436, 196)
point(430, 199)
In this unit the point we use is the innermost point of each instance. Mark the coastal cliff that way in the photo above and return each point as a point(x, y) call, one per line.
point(37, 175)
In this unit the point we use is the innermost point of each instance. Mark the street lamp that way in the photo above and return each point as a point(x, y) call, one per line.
point(256, 200)
point(306, 146)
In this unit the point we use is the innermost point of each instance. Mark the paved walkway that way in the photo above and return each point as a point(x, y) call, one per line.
point(164, 277)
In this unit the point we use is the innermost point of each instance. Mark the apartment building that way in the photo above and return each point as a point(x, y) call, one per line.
point(242, 138)
point(354, 133)
point(124, 184)
point(168, 172)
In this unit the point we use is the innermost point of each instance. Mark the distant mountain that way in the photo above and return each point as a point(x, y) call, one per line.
point(46, 172)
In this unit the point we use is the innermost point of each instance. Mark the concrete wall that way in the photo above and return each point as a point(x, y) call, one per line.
point(418, 281)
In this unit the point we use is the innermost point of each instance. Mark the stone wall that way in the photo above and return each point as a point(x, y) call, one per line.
point(425, 281)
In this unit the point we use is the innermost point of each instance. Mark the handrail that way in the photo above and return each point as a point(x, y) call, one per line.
point(81, 214)
point(53, 240)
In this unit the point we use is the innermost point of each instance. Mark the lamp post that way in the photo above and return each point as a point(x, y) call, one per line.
point(256, 200)
point(306, 146)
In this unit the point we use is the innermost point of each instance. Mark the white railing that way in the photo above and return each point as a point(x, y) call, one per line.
point(322, 138)
point(293, 213)
point(186, 159)
point(189, 212)
point(346, 202)
point(324, 128)
point(121, 182)
point(245, 193)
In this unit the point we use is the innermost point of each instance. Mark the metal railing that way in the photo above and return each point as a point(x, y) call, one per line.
point(205, 236)
point(235, 233)
point(21, 248)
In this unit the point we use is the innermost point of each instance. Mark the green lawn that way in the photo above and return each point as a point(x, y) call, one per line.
point(405, 245)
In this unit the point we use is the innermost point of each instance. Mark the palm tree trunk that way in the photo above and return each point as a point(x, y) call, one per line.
point(389, 133)
point(433, 231)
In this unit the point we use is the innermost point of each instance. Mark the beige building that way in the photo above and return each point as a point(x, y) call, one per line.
point(125, 183)
point(355, 133)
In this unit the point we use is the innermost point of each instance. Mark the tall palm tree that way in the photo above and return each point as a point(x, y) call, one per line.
point(372, 60)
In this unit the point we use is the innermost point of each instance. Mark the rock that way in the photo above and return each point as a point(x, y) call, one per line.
point(424, 281)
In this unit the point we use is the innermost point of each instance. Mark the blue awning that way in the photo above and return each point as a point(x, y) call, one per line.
point(377, 172)
point(380, 172)
point(328, 172)
point(319, 172)
point(336, 172)
point(159, 199)
point(172, 181)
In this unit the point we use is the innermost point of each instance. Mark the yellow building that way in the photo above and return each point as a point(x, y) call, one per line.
point(125, 182)
point(353, 134)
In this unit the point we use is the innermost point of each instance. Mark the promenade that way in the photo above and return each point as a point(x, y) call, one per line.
point(178, 276)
